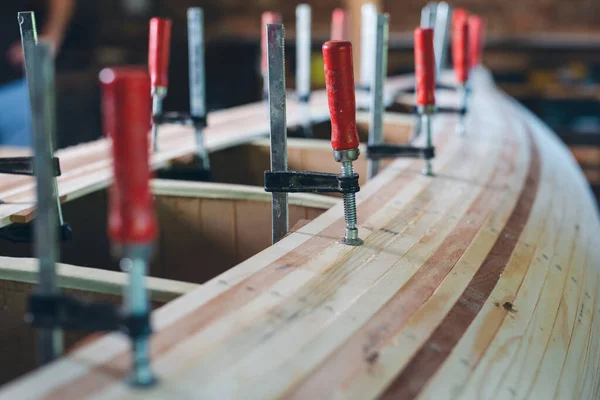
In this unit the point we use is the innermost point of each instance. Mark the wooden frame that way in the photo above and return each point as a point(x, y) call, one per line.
point(481, 282)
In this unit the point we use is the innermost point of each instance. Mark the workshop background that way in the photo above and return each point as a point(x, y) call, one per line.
point(545, 53)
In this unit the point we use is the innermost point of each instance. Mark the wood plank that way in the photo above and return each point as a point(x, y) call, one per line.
point(445, 299)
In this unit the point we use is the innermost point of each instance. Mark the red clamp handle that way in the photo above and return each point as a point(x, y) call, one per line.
point(268, 17)
point(339, 25)
point(126, 113)
point(476, 35)
point(339, 81)
point(159, 48)
point(459, 14)
point(424, 67)
point(460, 49)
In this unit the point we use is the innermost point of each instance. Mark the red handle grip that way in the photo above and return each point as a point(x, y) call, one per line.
point(460, 49)
point(339, 80)
point(126, 113)
point(458, 14)
point(268, 17)
point(159, 48)
point(476, 34)
point(339, 25)
point(424, 67)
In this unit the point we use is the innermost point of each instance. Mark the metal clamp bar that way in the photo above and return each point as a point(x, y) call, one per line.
point(277, 111)
point(392, 151)
point(310, 182)
point(180, 118)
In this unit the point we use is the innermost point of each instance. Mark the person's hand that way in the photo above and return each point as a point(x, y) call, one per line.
point(15, 52)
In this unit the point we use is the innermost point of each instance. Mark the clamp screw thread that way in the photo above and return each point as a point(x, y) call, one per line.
point(350, 214)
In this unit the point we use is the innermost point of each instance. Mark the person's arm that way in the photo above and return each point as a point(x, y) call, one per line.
point(60, 13)
point(59, 16)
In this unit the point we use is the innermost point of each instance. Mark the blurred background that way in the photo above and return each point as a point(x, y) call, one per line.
point(545, 53)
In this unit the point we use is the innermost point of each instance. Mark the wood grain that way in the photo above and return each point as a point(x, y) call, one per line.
point(480, 282)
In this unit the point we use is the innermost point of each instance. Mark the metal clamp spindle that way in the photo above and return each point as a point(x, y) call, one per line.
point(460, 57)
point(377, 85)
point(425, 99)
point(268, 17)
point(339, 82)
point(159, 48)
point(340, 25)
point(368, 43)
point(132, 223)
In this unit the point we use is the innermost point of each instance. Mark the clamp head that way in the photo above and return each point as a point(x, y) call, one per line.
point(339, 25)
point(424, 67)
point(159, 47)
point(339, 80)
point(268, 18)
point(126, 109)
point(460, 49)
point(476, 38)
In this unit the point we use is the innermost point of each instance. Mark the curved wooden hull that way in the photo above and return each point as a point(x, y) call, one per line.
point(479, 283)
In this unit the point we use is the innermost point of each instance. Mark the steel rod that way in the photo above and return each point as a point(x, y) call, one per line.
point(277, 111)
point(41, 83)
point(377, 85)
point(197, 73)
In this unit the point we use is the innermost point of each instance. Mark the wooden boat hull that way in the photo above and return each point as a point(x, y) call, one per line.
point(479, 283)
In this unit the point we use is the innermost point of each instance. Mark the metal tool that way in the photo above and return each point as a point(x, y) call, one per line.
point(425, 77)
point(368, 45)
point(159, 48)
point(29, 39)
point(425, 100)
point(377, 85)
point(275, 36)
point(428, 15)
point(339, 81)
point(339, 25)
point(303, 52)
point(268, 17)
point(132, 223)
point(441, 36)
point(195, 18)
point(41, 84)
point(279, 181)
point(460, 57)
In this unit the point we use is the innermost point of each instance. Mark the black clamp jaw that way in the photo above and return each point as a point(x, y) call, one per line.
point(310, 182)
point(378, 152)
point(186, 173)
point(67, 312)
point(427, 152)
point(24, 166)
point(403, 108)
point(180, 118)
point(23, 233)
point(438, 86)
